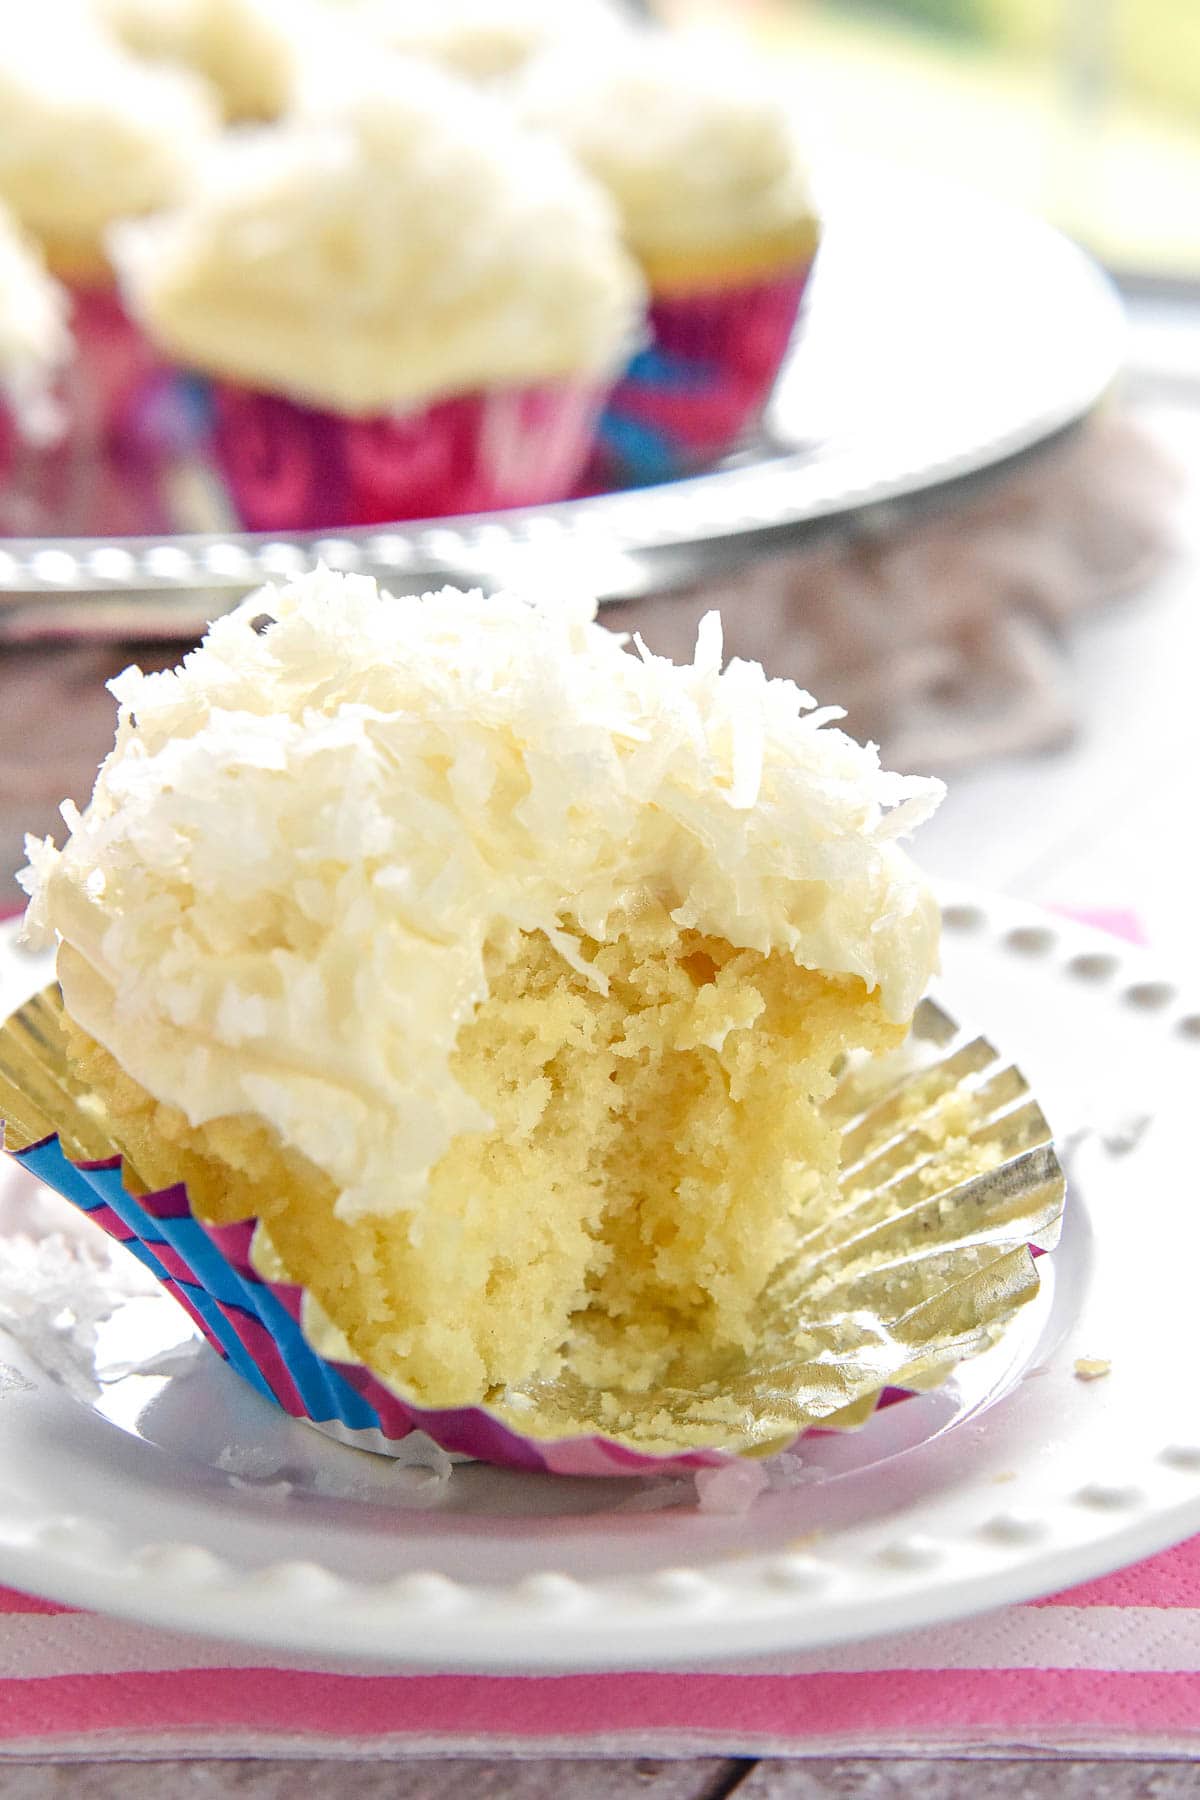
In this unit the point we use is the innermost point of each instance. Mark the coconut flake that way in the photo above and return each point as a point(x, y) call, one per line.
point(657, 1494)
point(568, 949)
point(55, 1294)
point(710, 646)
point(731, 1487)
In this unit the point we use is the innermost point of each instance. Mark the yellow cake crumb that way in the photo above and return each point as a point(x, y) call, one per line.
point(653, 1149)
point(1091, 1368)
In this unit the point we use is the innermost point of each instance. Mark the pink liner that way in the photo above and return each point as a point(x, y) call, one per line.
point(121, 369)
point(703, 380)
point(298, 468)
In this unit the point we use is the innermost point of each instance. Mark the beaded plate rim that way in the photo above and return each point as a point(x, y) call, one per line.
point(1120, 1481)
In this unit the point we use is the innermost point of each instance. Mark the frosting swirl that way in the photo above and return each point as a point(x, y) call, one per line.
point(698, 153)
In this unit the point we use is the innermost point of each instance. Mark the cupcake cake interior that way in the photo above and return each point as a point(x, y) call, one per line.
point(653, 1151)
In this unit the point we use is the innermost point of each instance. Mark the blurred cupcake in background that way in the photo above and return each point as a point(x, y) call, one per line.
point(405, 306)
point(704, 163)
point(485, 40)
point(35, 347)
point(90, 135)
point(247, 50)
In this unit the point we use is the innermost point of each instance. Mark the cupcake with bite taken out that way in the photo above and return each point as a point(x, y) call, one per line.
point(704, 163)
point(90, 135)
point(466, 995)
point(405, 305)
point(455, 1011)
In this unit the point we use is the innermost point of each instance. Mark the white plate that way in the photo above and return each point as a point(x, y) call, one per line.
point(186, 1501)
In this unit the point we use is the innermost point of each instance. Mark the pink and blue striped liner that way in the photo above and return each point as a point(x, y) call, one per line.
point(254, 1325)
point(701, 382)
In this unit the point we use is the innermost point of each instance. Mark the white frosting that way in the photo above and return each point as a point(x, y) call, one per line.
point(398, 240)
point(481, 38)
point(246, 48)
point(35, 341)
point(688, 135)
point(89, 134)
point(279, 897)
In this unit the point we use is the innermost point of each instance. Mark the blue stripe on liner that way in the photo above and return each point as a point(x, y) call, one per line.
point(658, 369)
point(645, 453)
point(222, 1329)
point(325, 1393)
point(47, 1162)
point(108, 1185)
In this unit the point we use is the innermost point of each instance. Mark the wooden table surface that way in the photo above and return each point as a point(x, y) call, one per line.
point(1109, 821)
point(1017, 1778)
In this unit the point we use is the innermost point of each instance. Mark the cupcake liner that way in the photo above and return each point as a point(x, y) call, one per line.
point(44, 468)
point(123, 373)
point(703, 380)
point(950, 1187)
point(297, 468)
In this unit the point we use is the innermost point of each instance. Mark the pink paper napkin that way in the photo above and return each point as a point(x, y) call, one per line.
point(1112, 1667)
point(1109, 1668)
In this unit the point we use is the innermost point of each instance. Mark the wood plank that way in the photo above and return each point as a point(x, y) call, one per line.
point(917, 1779)
point(451, 1778)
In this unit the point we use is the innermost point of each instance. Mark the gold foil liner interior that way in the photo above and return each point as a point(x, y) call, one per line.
point(948, 1177)
point(39, 1094)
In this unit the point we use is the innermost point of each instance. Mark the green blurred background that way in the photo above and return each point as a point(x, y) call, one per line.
point(1086, 110)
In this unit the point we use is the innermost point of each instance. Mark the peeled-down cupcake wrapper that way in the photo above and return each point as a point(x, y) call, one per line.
point(702, 380)
point(949, 1185)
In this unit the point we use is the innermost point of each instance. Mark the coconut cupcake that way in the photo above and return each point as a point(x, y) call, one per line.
point(35, 347)
point(405, 305)
point(500, 974)
point(90, 135)
point(705, 166)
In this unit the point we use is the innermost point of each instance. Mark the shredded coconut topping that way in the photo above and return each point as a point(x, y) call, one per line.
point(309, 837)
